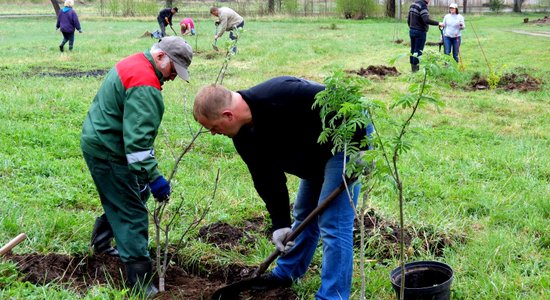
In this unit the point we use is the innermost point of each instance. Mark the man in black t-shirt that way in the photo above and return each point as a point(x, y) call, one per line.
point(275, 131)
point(165, 18)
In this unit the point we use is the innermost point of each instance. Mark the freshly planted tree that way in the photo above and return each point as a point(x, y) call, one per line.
point(166, 219)
point(343, 109)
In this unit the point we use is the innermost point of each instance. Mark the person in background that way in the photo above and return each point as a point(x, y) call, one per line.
point(117, 141)
point(67, 22)
point(275, 130)
point(187, 26)
point(165, 18)
point(228, 20)
point(453, 24)
point(418, 20)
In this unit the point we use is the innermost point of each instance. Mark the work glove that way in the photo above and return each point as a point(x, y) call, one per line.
point(193, 31)
point(160, 188)
point(217, 23)
point(279, 237)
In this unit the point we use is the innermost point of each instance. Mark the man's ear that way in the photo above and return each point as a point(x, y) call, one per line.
point(228, 114)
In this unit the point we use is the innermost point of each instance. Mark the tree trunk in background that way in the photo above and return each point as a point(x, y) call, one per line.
point(464, 6)
point(271, 6)
point(55, 7)
point(517, 5)
point(390, 8)
point(169, 3)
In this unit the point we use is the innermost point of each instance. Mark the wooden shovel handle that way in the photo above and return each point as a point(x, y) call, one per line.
point(18, 239)
point(265, 264)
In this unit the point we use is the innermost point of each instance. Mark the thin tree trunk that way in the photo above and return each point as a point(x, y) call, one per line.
point(390, 8)
point(517, 5)
point(55, 7)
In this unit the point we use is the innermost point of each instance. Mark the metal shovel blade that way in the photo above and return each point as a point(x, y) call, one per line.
point(215, 47)
point(232, 291)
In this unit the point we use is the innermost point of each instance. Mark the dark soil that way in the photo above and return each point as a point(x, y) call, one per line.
point(68, 73)
point(545, 20)
point(522, 82)
point(200, 281)
point(81, 273)
point(382, 238)
point(380, 71)
point(440, 43)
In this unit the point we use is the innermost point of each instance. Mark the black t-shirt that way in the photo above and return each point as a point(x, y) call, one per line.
point(282, 139)
point(165, 13)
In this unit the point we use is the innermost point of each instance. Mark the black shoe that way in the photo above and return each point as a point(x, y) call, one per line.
point(269, 282)
point(140, 276)
point(102, 237)
point(61, 48)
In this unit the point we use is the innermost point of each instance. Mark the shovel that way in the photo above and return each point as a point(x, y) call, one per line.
point(14, 242)
point(173, 30)
point(214, 46)
point(232, 291)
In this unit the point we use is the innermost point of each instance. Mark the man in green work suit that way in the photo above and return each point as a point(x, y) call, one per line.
point(117, 144)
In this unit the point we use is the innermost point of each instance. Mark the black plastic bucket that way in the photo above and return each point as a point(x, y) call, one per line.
point(424, 280)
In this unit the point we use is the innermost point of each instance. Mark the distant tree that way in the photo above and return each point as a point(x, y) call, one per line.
point(55, 7)
point(517, 5)
point(496, 5)
point(390, 8)
point(271, 6)
point(355, 9)
point(169, 3)
point(464, 6)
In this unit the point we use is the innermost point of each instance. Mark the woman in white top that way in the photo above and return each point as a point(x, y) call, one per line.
point(453, 23)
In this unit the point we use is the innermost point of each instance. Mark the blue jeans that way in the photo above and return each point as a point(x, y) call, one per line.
point(454, 43)
point(335, 227)
point(68, 36)
point(418, 39)
point(234, 37)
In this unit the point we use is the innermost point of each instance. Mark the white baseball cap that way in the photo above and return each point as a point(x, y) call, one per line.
point(453, 5)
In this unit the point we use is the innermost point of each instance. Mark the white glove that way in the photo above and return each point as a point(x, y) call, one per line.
point(279, 237)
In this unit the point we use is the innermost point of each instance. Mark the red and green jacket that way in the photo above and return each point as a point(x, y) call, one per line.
point(125, 116)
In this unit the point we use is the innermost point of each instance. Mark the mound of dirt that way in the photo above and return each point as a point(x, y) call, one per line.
point(522, 82)
point(382, 238)
point(380, 71)
point(58, 72)
point(80, 273)
point(545, 20)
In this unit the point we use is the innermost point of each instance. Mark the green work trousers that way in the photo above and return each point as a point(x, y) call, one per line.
point(123, 197)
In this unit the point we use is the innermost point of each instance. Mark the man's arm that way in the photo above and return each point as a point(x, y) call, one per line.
point(143, 112)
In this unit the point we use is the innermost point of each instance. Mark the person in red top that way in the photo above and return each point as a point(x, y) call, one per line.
point(187, 26)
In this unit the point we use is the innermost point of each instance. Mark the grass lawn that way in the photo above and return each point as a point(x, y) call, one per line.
point(478, 174)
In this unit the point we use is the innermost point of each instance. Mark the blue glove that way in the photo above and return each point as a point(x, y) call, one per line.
point(160, 189)
point(192, 31)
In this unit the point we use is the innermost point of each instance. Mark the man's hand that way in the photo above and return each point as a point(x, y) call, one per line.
point(160, 189)
point(279, 237)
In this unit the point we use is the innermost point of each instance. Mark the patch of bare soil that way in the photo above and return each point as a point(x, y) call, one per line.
point(545, 20)
point(81, 273)
point(522, 82)
point(380, 71)
point(382, 238)
point(440, 43)
point(67, 73)
point(201, 280)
